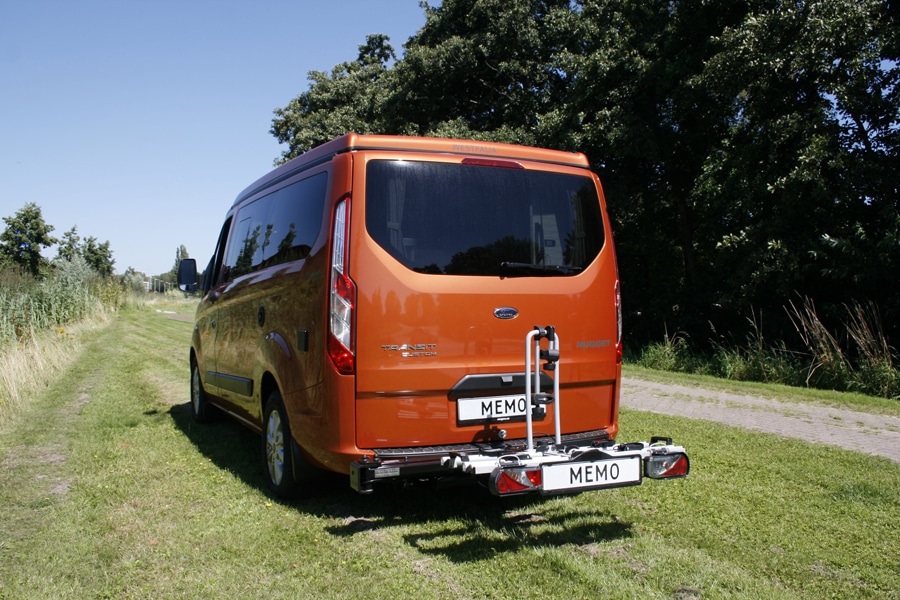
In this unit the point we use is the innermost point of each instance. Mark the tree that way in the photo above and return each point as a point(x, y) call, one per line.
point(170, 277)
point(180, 254)
point(484, 69)
point(748, 149)
point(98, 256)
point(351, 98)
point(25, 234)
point(814, 115)
point(69, 245)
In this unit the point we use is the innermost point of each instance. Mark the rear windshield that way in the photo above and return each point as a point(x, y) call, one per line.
point(455, 219)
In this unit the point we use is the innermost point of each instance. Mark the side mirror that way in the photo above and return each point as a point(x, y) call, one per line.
point(187, 275)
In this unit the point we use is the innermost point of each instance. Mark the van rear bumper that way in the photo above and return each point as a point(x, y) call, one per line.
point(585, 454)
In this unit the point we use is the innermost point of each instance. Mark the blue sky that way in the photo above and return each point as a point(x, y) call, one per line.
point(140, 121)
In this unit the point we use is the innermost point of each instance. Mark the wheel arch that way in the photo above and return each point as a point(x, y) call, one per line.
point(303, 466)
point(267, 385)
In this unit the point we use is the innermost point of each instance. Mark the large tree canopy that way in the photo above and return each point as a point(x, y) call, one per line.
point(749, 149)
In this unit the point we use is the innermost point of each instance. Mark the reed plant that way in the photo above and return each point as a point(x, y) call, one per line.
point(39, 321)
point(859, 358)
point(672, 354)
point(757, 359)
point(876, 373)
point(71, 293)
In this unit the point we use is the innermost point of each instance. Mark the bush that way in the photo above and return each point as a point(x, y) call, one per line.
point(672, 354)
point(28, 305)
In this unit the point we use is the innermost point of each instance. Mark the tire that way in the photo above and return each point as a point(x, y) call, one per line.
point(278, 458)
point(200, 406)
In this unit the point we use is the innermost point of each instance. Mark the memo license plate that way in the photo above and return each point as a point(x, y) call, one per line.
point(592, 475)
point(491, 408)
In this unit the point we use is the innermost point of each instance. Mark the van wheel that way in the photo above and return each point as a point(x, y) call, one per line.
point(278, 460)
point(200, 406)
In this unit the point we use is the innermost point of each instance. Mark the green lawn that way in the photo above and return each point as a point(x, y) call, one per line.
point(110, 491)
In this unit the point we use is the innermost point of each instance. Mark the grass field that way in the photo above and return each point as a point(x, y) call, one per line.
point(109, 490)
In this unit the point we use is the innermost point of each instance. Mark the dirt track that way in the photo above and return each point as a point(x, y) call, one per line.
point(854, 430)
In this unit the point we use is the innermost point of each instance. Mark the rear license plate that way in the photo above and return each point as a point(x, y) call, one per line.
point(591, 475)
point(492, 408)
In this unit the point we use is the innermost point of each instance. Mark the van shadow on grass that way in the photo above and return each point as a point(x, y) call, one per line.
point(466, 523)
point(461, 519)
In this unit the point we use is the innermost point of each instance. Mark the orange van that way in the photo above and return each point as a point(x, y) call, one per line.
point(399, 308)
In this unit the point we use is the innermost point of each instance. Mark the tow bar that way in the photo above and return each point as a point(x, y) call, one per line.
point(558, 469)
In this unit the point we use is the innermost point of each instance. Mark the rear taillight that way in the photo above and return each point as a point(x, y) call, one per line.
point(667, 466)
point(519, 480)
point(618, 324)
point(342, 297)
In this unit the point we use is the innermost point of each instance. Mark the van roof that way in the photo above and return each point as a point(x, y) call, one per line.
point(353, 142)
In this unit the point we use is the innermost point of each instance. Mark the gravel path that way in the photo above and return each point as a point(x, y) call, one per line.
point(854, 430)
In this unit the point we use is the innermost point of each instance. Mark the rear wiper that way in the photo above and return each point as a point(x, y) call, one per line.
point(517, 269)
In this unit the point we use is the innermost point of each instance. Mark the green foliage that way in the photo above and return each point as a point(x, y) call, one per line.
point(98, 256)
point(25, 234)
point(863, 362)
point(351, 98)
point(481, 69)
point(69, 245)
point(671, 354)
point(133, 281)
point(71, 292)
point(171, 276)
point(764, 364)
point(748, 149)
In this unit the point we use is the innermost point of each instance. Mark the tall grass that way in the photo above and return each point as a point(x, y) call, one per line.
point(68, 295)
point(28, 365)
point(859, 360)
point(40, 321)
point(875, 372)
point(756, 360)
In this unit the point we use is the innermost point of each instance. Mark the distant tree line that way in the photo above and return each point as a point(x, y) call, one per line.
point(37, 294)
point(749, 149)
point(26, 234)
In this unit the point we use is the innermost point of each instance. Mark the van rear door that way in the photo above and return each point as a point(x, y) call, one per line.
point(456, 259)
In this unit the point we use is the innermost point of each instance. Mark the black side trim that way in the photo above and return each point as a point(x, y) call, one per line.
point(283, 177)
point(238, 385)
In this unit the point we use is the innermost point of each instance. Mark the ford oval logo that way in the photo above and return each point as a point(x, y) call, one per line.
point(506, 312)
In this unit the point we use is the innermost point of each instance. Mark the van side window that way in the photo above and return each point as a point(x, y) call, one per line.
point(277, 228)
point(210, 276)
point(244, 252)
point(295, 221)
point(455, 219)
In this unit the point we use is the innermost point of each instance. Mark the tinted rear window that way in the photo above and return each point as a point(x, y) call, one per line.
point(453, 219)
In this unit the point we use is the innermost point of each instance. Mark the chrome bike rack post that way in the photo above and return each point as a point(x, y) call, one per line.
point(537, 398)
